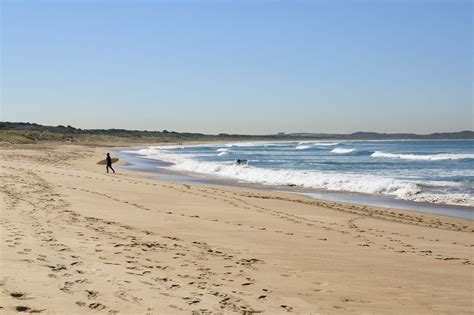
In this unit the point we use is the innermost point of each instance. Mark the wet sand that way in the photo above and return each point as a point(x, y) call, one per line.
point(78, 240)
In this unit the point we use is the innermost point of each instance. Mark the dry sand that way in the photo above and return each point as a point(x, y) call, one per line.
point(76, 240)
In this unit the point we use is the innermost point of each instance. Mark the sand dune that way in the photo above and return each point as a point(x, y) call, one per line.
point(77, 240)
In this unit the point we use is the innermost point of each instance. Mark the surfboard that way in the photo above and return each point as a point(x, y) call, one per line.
point(104, 162)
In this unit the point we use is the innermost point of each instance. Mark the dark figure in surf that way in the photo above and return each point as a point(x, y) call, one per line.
point(109, 163)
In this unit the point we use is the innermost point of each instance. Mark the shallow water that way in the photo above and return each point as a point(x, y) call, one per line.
point(439, 172)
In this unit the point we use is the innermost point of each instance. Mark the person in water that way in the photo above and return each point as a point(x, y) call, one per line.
point(109, 163)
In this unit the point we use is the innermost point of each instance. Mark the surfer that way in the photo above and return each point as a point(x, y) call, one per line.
point(239, 161)
point(109, 163)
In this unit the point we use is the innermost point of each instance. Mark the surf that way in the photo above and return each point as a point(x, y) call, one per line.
point(366, 167)
point(424, 157)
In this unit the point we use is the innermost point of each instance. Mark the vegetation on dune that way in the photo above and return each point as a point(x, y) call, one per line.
point(23, 133)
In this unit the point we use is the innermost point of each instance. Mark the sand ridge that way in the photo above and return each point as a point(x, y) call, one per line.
point(78, 240)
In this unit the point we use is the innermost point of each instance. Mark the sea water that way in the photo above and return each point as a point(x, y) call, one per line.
point(440, 172)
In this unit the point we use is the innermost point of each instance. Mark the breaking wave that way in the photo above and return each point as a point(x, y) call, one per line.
point(222, 151)
point(303, 147)
point(427, 157)
point(333, 181)
point(342, 150)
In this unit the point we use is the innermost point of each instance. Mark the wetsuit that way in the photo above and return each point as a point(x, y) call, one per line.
point(109, 164)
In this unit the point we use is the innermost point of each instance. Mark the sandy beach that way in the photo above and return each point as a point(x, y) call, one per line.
point(77, 240)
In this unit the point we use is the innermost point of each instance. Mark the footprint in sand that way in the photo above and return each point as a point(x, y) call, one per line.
point(97, 306)
point(22, 309)
point(26, 309)
point(18, 295)
point(286, 307)
point(91, 294)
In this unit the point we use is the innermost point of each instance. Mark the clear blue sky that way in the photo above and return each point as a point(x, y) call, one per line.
point(239, 66)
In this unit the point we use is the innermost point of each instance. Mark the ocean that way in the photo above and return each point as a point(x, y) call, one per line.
point(437, 172)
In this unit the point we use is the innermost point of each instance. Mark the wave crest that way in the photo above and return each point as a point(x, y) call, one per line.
point(427, 157)
point(342, 150)
point(302, 147)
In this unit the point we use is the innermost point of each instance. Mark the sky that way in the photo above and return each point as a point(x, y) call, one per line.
point(250, 67)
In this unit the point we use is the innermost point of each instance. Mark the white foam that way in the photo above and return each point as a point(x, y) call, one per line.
point(223, 151)
point(319, 143)
point(370, 184)
point(245, 144)
point(302, 147)
point(427, 157)
point(156, 153)
point(342, 150)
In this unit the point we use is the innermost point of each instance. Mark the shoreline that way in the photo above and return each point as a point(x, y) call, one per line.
point(156, 169)
point(79, 240)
